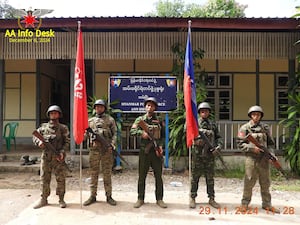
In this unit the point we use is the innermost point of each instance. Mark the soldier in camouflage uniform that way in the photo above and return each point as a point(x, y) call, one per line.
point(56, 134)
point(102, 124)
point(147, 159)
point(203, 161)
point(256, 165)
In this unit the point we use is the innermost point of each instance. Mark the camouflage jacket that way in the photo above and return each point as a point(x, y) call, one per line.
point(154, 121)
point(56, 134)
point(260, 131)
point(210, 129)
point(105, 126)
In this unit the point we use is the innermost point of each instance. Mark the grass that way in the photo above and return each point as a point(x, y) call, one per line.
point(293, 185)
point(278, 181)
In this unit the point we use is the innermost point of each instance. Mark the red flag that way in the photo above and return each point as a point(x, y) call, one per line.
point(189, 91)
point(80, 115)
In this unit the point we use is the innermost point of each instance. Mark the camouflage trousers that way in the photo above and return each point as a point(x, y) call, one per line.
point(203, 165)
point(49, 163)
point(257, 169)
point(96, 157)
point(145, 161)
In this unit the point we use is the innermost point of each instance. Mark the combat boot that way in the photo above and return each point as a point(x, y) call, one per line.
point(43, 202)
point(161, 204)
point(213, 203)
point(192, 203)
point(271, 209)
point(111, 201)
point(62, 203)
point(91, 200)
point(138, 203)
point(244, 207)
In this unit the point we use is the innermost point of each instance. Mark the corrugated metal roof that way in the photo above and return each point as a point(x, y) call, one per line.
point(161, 23)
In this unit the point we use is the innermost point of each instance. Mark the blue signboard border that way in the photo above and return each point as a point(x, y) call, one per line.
point(143, 77)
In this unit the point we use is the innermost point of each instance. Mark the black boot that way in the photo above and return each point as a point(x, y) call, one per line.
point(43, 202)
point(62, 203)
point(111, 201)
point(91, 200)
point(213, 203)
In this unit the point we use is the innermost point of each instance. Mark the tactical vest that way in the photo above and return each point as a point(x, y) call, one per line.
point(154, 127)
point(259, 132)
point(53, 134)
point(101, 125)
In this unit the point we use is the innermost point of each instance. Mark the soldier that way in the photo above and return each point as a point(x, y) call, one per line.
point(147, 159)
point(102, 124)
point(256, 165)
point(57, 135)
point(203, 161)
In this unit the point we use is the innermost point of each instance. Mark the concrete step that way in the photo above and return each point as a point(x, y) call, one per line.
point(10, 161)
point(18, 168)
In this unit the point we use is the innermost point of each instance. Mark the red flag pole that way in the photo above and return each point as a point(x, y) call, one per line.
point(80, 115)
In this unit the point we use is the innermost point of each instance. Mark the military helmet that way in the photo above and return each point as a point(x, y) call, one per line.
point(255, 108)
point(54, 108)
point(151, 99)
point(204, 105)
point(100, 102)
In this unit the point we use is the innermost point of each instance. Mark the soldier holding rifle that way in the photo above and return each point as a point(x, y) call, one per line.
point(104, 125)
point(203, 157)
point(55, 142)
point(151, 151)
point(256, 163)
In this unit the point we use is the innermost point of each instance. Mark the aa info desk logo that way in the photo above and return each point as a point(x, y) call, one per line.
point(29, 23)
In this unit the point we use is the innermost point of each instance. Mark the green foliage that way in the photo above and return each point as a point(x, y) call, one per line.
point(223, 9)
point(6, 10)
point(292, 148)
point(213, 8)
point(292, 122)
point(177, 142)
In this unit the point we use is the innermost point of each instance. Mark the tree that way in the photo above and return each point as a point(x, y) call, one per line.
point(166, 8)
point(223, 9)
point(292, 148)
point(6, 10)
point(213, 8)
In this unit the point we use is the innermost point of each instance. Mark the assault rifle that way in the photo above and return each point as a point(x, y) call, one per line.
point(157, 149)
point(211, 148)
point(268, 154)
point(104, 143)
point(50, 147)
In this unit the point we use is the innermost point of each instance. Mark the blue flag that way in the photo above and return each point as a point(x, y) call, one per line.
point(189, 91)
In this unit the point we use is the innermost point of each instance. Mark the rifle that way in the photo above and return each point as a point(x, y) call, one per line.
point(157, 149)
point(267, 154)
point(50, 147)
point(105, 144)
point(211, 148)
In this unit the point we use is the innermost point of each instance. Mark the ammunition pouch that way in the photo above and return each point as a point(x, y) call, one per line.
point(154, 130)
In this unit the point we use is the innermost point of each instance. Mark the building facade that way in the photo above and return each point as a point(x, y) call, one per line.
point(248, 61)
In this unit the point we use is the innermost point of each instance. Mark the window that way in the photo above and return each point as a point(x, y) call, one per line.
point(281, 96)
point(219, 89)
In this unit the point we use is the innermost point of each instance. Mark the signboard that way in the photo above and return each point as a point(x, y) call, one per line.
point(130, 92)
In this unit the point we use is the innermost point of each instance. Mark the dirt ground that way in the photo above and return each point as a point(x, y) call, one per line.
point(19, 192)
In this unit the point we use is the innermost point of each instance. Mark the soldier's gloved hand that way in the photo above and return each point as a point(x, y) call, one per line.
point(216, 151)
